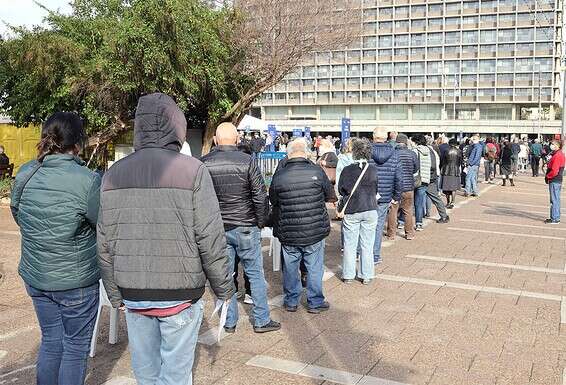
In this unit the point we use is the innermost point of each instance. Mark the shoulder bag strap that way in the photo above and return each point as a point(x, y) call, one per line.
point(355, 188)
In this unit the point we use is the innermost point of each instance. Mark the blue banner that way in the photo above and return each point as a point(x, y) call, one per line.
point(297, 132)
point(272, 131)
point(307, 131)
point(346, 124)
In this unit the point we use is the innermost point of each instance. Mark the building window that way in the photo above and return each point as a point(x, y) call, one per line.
point(453, 7)
point(434, 38)
point(452, 67)
point(332, 112)
point(504, 92)
point(353, 70)
point(470, 37)
point(488, 49)
point(309, 72)
point(323, 82)
point(417, 68)
point(545, 34)
point(294, 95)
point(369, 53)
point(368, 69)
point(435, 23)
point(487, 66)
point(368, 96)
point(418, 52)
point(308, 83)
point(427, 112)
point(470, 20)
point(452, 38)
point(470, 50)
point(418, 39)
point(506, 35)
point(354, 82)
point(338, 82)
point(338, 70)
point(507, 18)
point(385, 69)
point(434, 81)
point(488, 5)
point(400, 80)
point(401, 68)
point(452, 21)
point(489, 19)
point(495, 112)
point(525, 34)
point(385, 53)
point(418, 25)
point(469, 66)
point(386, 25)
point(384, 81)
point(384, 96)
point(489, 92)
point(488, 36)
point(276, 113)
point(370, 42)
point(434, 51)
point(435, 9)
point(363, 112)
point(394, 112)
point(402, 12)
point(308, 96)
point(402, 25)
point(487, 78)
point(338, 55)
point(524, 65)
point(505, 65)
point(385, 41)
point(386, 12)
point(401, 40)
point(434, 67)
point(543, 64)
point(368, 81)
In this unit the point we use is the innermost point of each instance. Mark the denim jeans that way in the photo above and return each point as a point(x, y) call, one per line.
point(359, 227)
point(472, 180)
point(163, 348)
point(433, 195)
point(66, 319)
point(313, 256)
point(420, 202)
point(555, 190)
point(382, 211)
point(245, 244)
point(489, 166)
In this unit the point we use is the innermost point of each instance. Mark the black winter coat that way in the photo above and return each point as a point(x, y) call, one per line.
point(364, 198)
point(451, 162)
point(298, 192)
point(239, 186)
point(409, 162)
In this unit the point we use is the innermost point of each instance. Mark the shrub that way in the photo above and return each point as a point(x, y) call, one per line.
point(5, 187)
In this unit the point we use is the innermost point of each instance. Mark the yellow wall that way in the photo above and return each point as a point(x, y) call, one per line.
point(20, 143)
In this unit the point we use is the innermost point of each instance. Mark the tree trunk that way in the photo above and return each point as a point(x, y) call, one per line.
point(208, 136)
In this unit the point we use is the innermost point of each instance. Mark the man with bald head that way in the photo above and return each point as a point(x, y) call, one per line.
point(299, 192)
point(244, 207)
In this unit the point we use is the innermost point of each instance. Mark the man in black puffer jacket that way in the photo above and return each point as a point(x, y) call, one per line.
point(244, 207)
point(409, 163)
point(298, 194)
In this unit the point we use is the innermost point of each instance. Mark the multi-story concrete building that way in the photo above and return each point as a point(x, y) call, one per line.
point(489, 66)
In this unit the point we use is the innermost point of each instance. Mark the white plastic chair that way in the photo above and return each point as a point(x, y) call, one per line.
point(113, 334)
point(274, 247)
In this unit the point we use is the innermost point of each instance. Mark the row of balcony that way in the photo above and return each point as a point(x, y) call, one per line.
point(385, 30)
point(371, 16)
point(412, 99)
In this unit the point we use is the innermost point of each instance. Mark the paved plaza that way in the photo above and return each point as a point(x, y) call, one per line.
point(481, 300)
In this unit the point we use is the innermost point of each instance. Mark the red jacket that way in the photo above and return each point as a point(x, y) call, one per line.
point(555, 167)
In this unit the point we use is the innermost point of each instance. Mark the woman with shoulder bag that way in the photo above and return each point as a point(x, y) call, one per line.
point(358, 188)
point(55, 202)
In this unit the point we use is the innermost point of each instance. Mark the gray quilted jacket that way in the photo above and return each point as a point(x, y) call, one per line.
point(160, 232)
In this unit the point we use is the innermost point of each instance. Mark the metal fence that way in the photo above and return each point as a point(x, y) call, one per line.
point(268, 162)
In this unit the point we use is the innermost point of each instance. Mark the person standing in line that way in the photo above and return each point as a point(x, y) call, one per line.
point(244, 206)
point(516, 149)
point(409, 169)
point(4, 160)
point(160, 238)
point(451, 166)
point(473, 165)
point(523, 156)
point(328, 159)
point(392, 138)
point(298, 194)
point(389, 177)
point(507, 163)
point(555, 170)
point(358, 188)
point(55, 203)
point(490, 159)
point(536, 154)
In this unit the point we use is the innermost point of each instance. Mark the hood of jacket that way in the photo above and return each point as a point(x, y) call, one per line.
point(382, 152)
point(159, 123)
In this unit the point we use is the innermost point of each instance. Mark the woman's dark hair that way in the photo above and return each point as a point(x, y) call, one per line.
point(453, 142)
point(361, 149)
point(419, 140)
point(61, 132)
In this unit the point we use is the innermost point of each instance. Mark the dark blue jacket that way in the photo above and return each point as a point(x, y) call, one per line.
point(409, 162)
point(389, 175)
point(476, 153)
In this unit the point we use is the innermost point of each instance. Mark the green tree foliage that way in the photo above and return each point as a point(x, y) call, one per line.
point(101, 58)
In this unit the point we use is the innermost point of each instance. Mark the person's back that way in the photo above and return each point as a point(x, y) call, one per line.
point(4, 160)
point(160, 238)
point(409, 163)
point(301, 189)
point(55, 202)
point(388, 172)
point(239, 186)
point(536, 149)
point(452, 162)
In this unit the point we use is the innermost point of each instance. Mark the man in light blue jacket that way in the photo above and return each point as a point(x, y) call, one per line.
point(473, 166)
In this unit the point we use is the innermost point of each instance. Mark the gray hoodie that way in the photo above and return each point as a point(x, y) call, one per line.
point(160, 233)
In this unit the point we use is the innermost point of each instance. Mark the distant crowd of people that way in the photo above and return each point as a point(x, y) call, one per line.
point(160, 224)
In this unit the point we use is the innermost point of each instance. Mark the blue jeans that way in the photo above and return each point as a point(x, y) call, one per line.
point(359, 227)
point(313, 257)
point(245, 243)
point(420, 203)
point(472, 180)
point(66, 319)
point(555, 190)
point(163, 348)
point(382, 209)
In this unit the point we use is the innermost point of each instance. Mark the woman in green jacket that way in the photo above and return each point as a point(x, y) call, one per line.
point(55, 202)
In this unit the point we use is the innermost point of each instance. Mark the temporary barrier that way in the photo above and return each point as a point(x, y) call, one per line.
point(20, 143)
point(268, 162)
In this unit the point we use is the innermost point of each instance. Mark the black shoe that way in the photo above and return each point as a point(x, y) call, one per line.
point(229, 330)
point(450, 206)
point(272, 326)
point(317, 310)
point(551, 222)
point(291, 309)
point(443, 220)
point(347, 281)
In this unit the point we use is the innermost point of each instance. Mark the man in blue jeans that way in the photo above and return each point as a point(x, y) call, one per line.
point(389, 186)
point(244, 207)
point(299, 192)
point(474, 160)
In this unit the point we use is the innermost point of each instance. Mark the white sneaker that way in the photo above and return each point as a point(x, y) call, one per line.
point(248, 299)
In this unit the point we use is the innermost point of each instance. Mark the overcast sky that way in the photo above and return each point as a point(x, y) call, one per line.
point(26, 12)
